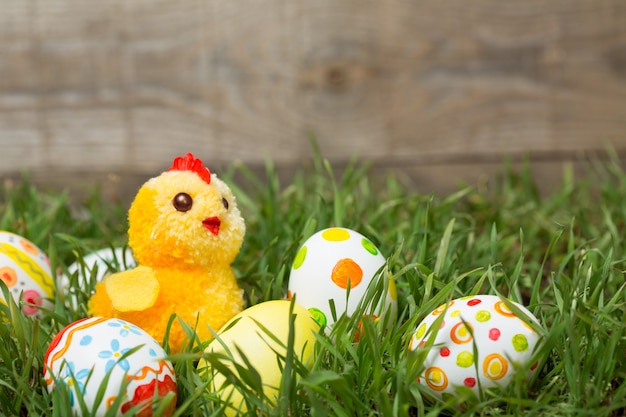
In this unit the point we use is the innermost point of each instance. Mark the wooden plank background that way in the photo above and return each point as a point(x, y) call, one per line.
point(440, 91)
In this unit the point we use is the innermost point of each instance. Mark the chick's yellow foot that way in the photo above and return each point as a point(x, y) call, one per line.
point(133, 290)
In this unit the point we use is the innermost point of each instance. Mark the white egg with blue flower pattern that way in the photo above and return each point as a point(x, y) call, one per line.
point(87, 351)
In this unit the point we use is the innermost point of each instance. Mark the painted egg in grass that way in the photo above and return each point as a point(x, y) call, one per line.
point(104, 261)
point(479, 344)
point(25, 269)
point(101, 263)
point(260, 334)
point(87, 351)
point(337, 265)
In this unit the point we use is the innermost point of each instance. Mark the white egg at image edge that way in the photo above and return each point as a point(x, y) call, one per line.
point(25, 270)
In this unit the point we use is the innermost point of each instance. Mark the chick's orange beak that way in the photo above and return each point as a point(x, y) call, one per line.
point(212, 224)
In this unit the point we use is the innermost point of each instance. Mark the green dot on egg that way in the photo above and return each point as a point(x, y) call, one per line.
point(299, 260)
point(318, 316)
point(520, 343)
point(483, 316)
point(465, 359)
point(369, 246)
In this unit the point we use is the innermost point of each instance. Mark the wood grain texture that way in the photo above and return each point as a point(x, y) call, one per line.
point(99, 88)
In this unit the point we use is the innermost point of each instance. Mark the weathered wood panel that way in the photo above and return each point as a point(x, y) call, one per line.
point(94, 88)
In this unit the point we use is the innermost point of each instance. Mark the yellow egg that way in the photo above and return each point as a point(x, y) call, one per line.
point(253, 333)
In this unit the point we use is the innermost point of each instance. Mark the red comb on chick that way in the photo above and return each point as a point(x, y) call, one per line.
point(191, 163)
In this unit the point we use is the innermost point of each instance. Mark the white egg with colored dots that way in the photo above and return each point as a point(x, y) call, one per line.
point(338, 264)
point(479, 343)
point(25, 269)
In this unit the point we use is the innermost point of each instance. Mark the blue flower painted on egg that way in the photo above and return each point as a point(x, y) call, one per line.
point(114, 356)
point(74, 380)
point(125, 327)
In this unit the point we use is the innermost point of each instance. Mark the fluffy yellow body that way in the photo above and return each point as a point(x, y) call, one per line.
point(182, 292)
point(185, 230)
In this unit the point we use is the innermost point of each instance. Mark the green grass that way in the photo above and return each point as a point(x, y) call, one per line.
point(562, 255)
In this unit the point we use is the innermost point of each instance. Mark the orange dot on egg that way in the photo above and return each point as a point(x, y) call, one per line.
point(495, 366)
point(8, 275)
point(436, 378)
point(502, 308)
point(29, 247)
point(461, 333)
point(347, 272)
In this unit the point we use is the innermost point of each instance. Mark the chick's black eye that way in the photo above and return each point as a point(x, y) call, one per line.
point(225, 203)
point(182, 202)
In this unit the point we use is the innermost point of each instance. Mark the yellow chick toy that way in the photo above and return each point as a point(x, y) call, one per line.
point(185, 230)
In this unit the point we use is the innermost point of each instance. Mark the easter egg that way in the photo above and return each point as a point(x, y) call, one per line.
point(260, 333)
point(87, 351)
point(104, 261)
point(479, 343)
point(25, 269)
point(337, 265)
point(107, 260)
